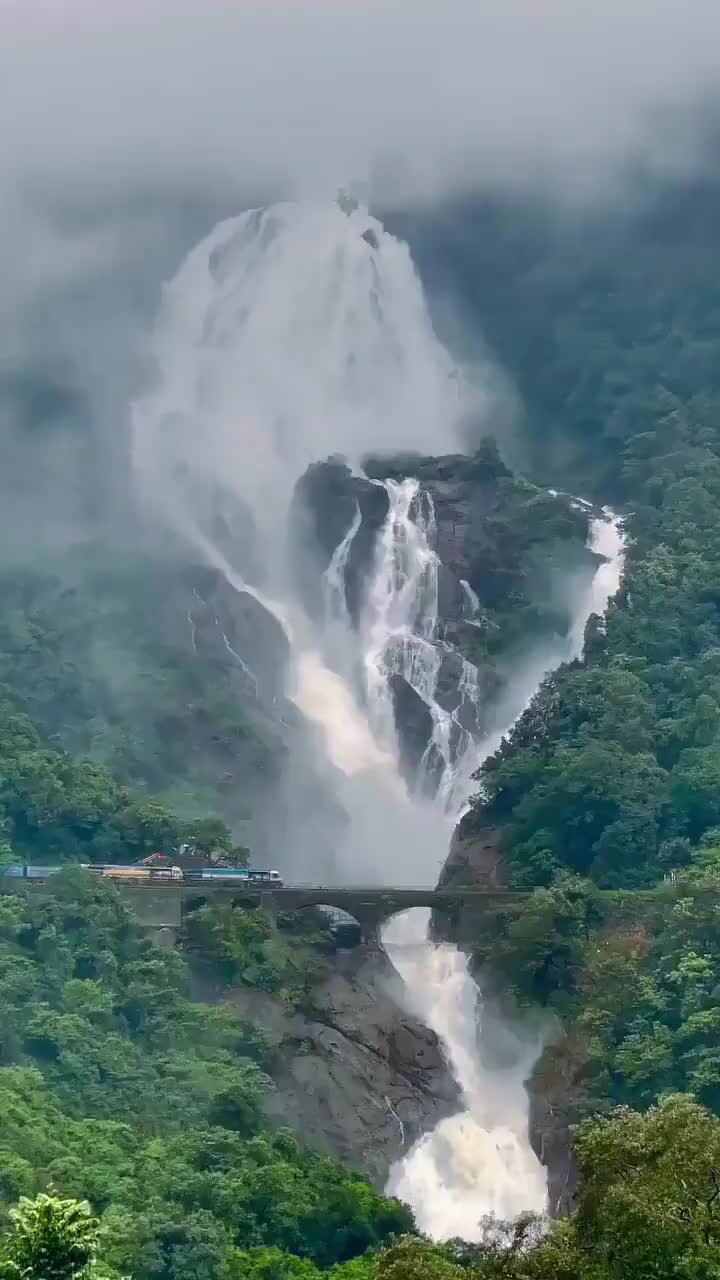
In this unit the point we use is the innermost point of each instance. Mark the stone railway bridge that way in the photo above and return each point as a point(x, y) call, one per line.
point(457, 912)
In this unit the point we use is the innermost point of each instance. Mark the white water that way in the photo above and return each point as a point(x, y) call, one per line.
point(400, 637)
point(480, 1163)
point(283, 338)
point(477, 1163)
point(471, 604)
point(334, 576)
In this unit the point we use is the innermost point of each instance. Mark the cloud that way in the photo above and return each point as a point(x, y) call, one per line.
point(410, 97)
point(128, 129)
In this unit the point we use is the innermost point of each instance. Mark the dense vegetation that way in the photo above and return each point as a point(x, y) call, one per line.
point(58, 808)
point(613, 770)
point(116, 1088)
point(99, 648)
point(647, 1209)
point(612, 777)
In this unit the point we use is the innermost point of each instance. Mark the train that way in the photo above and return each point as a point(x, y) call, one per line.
point(145, 874)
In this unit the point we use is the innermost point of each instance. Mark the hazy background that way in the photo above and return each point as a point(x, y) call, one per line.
point(126, 130)
point(408, 97)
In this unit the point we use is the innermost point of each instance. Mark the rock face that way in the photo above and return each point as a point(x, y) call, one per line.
point(265, 772)
point(231, 629)
point(474, 859)
point(505, 548)
point(417, 725)
point(555, 1090)
point(327, 499)
point(361, 1079)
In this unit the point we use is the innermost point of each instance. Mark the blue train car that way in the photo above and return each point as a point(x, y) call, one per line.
point(233, 875)
point(17, 872)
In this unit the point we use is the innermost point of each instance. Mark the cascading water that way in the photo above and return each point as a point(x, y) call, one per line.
point(479, 1163)
point(400, 636)
point(334, 577)
point(287, 336)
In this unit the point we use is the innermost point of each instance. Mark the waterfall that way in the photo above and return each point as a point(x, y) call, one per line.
point(286, 336)
point(471, 603)
point(479, 1163)
point(401, 638)
point(334, 576)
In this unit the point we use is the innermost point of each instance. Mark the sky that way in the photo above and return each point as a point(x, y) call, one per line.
point(411, 98)
point(127, 127)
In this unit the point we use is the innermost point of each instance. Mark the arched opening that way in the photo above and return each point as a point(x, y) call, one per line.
point(342, 929)
point(193, 904)
point(241, 902)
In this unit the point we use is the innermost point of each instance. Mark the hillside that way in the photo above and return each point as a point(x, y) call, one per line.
point(143, 694)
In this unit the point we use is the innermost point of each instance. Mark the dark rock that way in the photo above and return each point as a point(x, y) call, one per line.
point(556, 1091)
point(474, 859)
point(450, 595)
point(414, 725)
point(230, 628)
point(449, 676)
point(359, 1079)
point(327, 499)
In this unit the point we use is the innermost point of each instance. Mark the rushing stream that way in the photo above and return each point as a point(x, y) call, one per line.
point(285, 337)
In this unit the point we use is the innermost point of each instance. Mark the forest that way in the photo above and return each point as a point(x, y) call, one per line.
point(132, 1138)
point(610, 779)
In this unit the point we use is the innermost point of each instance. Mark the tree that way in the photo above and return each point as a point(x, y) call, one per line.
point(50, 1239)
point(649, 1198)
point(206, 835)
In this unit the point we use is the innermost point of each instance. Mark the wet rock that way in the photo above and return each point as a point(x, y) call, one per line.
point(326, 501)
point(359, 1079)
point(450, 595)
point(231, 629)
point(474, 858)
point(555, 1090)
point(414, 724)
point(450, 674)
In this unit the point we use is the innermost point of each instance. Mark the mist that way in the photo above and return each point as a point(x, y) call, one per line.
point(284, 338)
point(410, 101)
point(127, 133)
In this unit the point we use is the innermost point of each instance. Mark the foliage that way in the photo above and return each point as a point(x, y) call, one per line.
point(96, 647)
point(242, 946)
point(612, 776)
point(54, 808)
point(648, 1208)
point(50, 1239)
point(613, 771)
point(117, 1089)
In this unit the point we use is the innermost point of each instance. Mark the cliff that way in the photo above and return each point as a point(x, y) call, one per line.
point(356, 1076)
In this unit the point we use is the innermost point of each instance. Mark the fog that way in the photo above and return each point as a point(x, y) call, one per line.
point(127, 131)
point(408, 99)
